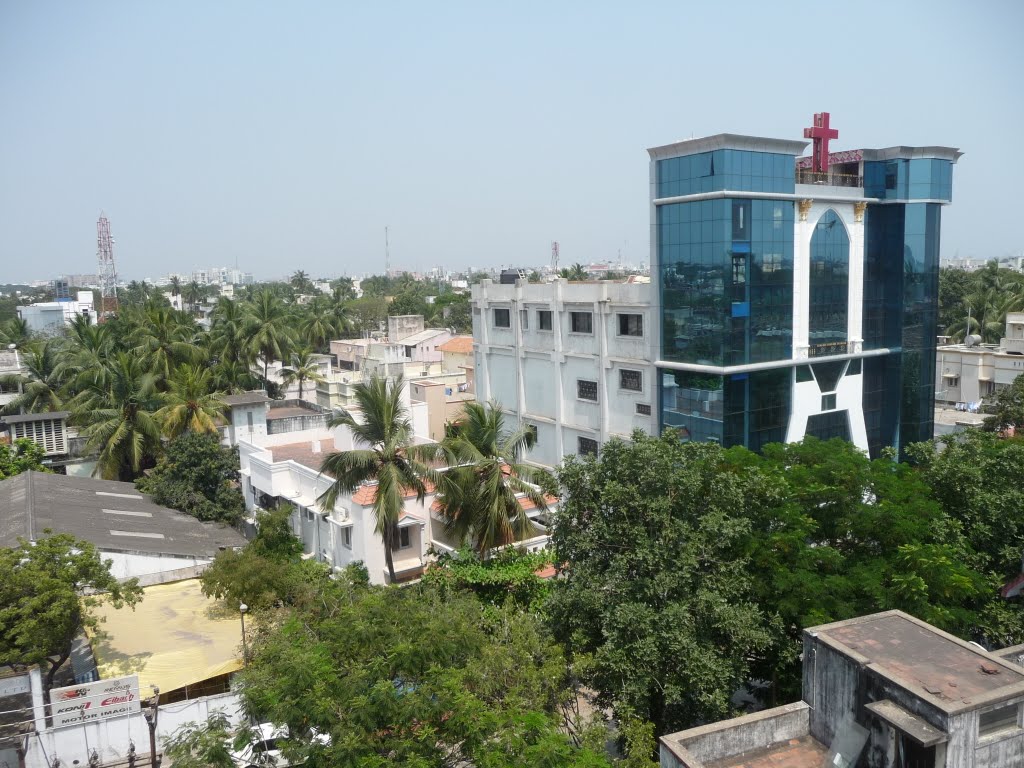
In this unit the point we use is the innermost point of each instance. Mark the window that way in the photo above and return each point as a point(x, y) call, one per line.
point(543, 319)
point(346, 537)
point(586, 446)
point(803, 373)
point(586, 390)
point(532, 430)
point(248, 418)
point(828, 402)
point(631, 325)
point(524, 319)
point(581, 322)
point(996, 720)
point(404, 541)
point(502, 319)
point(631, 380)
point(643, 409)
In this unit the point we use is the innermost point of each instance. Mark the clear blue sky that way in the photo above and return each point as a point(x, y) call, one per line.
point(286, 135)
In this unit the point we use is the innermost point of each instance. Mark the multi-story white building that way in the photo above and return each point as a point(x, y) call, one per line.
point(574, 361)
point(50, 317)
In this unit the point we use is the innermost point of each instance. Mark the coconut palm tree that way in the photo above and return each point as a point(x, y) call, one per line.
point(43, 383)
point(227, 331)
point(318, 326)
point(165, 341)
point(190, 405)
point(117, 413)
point(389, 458)
point(266, 328)
point(576, 272)
point(479, 495)
point(303, 368)
point(15, 331)
point(301, 283)
point(175, 285)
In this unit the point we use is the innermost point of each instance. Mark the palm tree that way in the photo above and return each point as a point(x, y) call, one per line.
point(190, 405)
point(301, 283)
point(175, 285)
point(303, 368)
point(227, 331)
point(576, 273)
point(193, 294)
point(165, 341)
point(318, 325)
point(43, 383)
point(479, 496)
point(117, 412)
point(266, 328)
point(15, 331)
point(390, 458)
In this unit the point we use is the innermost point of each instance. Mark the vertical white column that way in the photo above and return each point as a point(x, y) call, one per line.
point(855, 331)
point(805, 216)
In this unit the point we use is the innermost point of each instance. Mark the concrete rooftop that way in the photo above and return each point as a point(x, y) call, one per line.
point(806, 752)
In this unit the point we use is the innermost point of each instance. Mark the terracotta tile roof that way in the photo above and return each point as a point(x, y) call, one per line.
point(459, 345)
point(524, 502)
point(365, 495)
point(547, 572)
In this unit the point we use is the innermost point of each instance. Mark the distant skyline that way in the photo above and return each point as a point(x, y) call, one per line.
point(287, 136)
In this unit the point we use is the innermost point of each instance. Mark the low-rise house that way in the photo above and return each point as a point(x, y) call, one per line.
point(965, 374)
point(879, 691)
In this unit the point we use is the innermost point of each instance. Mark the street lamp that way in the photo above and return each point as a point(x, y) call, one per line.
point(243, 609)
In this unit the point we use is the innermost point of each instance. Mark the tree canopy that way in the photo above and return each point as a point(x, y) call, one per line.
point(21, 456)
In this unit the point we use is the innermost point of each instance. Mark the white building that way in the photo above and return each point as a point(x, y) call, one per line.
point(968, 373)
point(572, 360)
point(51, 317)
point(284, 468)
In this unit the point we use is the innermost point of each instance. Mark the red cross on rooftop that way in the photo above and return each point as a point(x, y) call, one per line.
point(821, 133)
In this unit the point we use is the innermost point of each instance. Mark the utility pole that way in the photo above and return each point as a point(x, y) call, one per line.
point(387, 254)
point(151, 717)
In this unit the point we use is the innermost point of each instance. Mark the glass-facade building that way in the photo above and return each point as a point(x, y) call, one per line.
point(791, 309)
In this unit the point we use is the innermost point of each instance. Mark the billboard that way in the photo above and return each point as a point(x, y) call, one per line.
point(88, 702)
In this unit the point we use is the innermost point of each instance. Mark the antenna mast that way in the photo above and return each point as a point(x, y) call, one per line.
point(106, 271)
point(387, 254)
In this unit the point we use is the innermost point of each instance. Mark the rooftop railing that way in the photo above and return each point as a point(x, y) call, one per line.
point(805, 176)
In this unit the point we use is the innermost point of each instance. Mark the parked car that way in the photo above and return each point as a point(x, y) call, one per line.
point(265, 749)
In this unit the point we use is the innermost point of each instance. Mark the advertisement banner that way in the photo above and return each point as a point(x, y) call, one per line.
point(88, 702)
point(12, 686)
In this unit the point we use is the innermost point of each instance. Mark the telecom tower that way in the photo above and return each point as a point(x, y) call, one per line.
point(106, 271)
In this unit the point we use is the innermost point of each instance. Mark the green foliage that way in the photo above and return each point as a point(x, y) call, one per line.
point(201, 745)
point(197, 476)
point(656, 605)
point(42, 605)
point(22, 456)
point(452, 310)
point(977, 302)
point(413, 677)
point(509, 576)
point(1006, 410)
point(408, 303)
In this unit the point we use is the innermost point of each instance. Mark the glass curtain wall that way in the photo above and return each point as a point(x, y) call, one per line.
point(829, 286)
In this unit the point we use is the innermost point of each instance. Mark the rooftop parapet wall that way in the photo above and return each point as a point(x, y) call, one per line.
point(697, 747)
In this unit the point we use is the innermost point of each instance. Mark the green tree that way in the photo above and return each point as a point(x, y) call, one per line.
point(1006, 409)
point(510, 575)
point(318, 323)
point(342, 289)
point(47, 598)
point(408, 303)
point(202, 745)
point(390, 458)
point(301, 283)
point(23, 455)
point(267, 328)
point(304, 368)
point(452, 310)
point(197, 476)
point(656, 606)
point(190, 404)
point(117, 412)
point(164, 338)
point(42, 384)
point(479, 497)
point(175, 285)
point(575, 273)
point(369, 313)
point(269, 571)
point(412, 677)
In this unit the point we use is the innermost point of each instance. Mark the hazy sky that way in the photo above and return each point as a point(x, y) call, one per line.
point(286, 135)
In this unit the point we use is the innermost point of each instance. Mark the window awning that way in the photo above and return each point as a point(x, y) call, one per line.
point(906, 722)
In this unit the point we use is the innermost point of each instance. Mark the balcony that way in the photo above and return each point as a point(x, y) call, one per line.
point(829, 179)
point(828, 349)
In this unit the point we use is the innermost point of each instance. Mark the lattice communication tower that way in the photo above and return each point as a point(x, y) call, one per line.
point(106, 271)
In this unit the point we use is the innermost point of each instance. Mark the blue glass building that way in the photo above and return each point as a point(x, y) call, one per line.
point(796, 302)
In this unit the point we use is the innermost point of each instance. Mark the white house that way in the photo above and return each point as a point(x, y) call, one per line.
point(967, 373)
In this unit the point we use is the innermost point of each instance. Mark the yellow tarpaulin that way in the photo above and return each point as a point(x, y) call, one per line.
point(175, 637)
